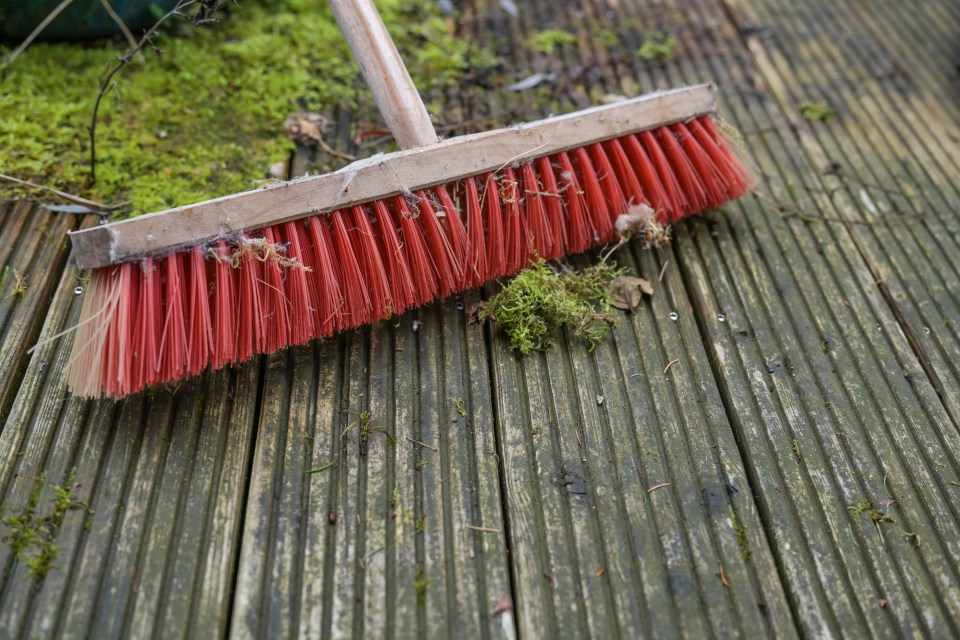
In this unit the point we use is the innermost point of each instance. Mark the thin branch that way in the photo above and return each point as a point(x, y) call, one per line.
point(123, 28)
point(37, 31)
point(121, 63)
point(66, 196)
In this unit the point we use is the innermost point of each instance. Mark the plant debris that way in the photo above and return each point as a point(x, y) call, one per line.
point(539, 300)
point(816, 111)
point(866, 506)
point(549, 40)
point(31, 536)
point(658, 46)
point(740, 531)
point(628, 291)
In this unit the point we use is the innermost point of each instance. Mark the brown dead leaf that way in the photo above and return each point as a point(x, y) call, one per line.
point(628, 291)
point(306, 129)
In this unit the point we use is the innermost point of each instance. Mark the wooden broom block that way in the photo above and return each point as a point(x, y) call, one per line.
point(382, 176)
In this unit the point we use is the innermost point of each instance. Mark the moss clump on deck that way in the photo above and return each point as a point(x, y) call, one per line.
point(740, 531)
point(538, 301)
point(866, 506)
point(816, 111)
point(204, 118)
point(658, 47)
point(31, 536)
point(549, 40)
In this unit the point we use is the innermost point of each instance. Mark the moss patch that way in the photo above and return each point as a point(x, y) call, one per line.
point(32, 536)
point(866, 506)
point(538, 301)
point(816, 111)
point(740, 531)
point(420, 585)
point(204, 118)
point(658, 46)
point(549, 40)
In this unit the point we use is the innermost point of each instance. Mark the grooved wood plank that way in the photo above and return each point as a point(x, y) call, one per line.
point(813, 363)
point(886, 161)
point(122, 562)
point(381, 542)
point(32, 256)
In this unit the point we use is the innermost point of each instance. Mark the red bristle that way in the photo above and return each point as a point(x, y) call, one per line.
point(374, 276)
point(626, 174)
point(224, 307)
point(678, 203)
point(594, 197)
point(456, 233)
point(493, 212)
point(276, 303)
point(616, 201)
point(314, 277)
point(296, 286)
point(415, 253)
point(173, 340)
point(684, 170)
point(304, 307)
point(475, 269)
point(516, 235)
point(709, 174)
point(147, 331)
point(647, 176)
point(401, 283)
point(553, 203)
point(735, 176)
point(118, 362)
point(540, 233)
point(199, 328)
point(327, 295)
point(440, 249)
point(580, 233)
point(354, 291)
point(251, 332)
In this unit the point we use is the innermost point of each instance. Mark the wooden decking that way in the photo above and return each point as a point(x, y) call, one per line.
point(795, 471)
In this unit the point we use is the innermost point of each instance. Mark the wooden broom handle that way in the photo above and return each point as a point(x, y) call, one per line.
point(385, 73)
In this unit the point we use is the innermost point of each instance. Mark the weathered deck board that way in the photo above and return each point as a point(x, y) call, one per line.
point(122, 563)
point(807, 333)
point(29, 236)
point(894, 171)
point(817, 343)
point(389, 544)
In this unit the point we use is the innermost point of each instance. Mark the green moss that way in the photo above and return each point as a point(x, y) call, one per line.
point(740, 531)
point(866, 506)
point(537, 301)
point(657, 46)
point(420, 585)
point(32, 536)
point(548, 40)
point(816, 111)
point(205, 118)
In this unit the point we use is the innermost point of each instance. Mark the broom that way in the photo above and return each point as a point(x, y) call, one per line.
point(211, 284)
